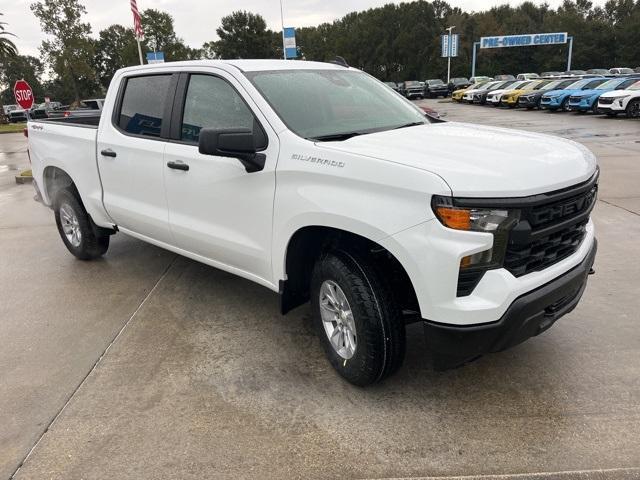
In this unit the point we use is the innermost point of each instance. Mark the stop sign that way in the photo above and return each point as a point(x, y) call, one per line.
point(23, 93)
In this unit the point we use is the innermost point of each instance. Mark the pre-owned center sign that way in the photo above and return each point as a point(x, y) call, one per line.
point(529, 39)
point(526, 40)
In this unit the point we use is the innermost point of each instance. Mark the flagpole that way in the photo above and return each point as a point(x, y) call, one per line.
point(137, 27)
point(139, 51)
point(284, 50)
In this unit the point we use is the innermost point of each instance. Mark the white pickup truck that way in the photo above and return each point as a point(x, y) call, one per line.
point(321, 183)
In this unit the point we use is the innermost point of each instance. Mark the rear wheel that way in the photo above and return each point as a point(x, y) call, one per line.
point(76, 228)
point(357, 319)
point(633, 109)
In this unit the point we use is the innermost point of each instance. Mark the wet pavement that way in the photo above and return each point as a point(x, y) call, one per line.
point(13, 157)
point(202, 378)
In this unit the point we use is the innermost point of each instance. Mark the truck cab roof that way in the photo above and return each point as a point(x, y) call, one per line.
point(242, 65)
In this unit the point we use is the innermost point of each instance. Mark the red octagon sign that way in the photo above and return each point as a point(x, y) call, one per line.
point(23, 93)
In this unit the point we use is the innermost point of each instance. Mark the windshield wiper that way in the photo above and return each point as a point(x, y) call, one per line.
point(336, 137)
point(411, 124)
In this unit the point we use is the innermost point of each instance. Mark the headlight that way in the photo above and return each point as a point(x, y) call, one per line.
point(489, 220)
point(620, 100)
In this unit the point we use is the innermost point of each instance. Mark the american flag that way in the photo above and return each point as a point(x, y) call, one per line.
point(137, 24)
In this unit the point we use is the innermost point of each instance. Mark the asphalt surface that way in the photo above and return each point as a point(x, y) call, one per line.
point(202, 378)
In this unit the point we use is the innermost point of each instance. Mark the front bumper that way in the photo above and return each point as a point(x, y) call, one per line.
point(414, 93)
point(528, 102)
point(615, 107)
point(581, 105)
point(527, 316)
point(553, 103)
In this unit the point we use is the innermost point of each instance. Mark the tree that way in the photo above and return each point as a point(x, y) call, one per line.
point(115, 48)
point(8, 50)
point(69, 52)
point(7, 47)
point(244, 35)
point(21, 67)
point(160, 36)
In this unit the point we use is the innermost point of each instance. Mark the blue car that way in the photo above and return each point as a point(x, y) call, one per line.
point(559, 99)
point(588, 99)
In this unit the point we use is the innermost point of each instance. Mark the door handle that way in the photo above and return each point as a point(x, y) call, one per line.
point(108, 153)
point(178, 165)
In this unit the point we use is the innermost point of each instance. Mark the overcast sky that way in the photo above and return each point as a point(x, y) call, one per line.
point(197, 20)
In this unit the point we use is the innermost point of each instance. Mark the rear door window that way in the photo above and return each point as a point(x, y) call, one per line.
point(143, 105)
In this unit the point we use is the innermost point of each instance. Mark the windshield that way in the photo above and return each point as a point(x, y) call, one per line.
point(331, 103)
point(501, 85)
point(593, 84)
point(412, 83)
point(635, 86)
point(436, 82)
point(538, 85)
point(625, 70)
point(608, 85)
point(584, 82)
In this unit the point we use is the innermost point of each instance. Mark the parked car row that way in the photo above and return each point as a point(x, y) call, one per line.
point(611, 95)
point(433, 88)
point(15, 114)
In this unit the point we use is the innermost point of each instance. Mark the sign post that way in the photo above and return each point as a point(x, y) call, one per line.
point(449, 49)
point(24, 95)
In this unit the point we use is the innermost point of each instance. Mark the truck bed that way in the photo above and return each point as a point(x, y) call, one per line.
point(69, 144)
point(89, 121)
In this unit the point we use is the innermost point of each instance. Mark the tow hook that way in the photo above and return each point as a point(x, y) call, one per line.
point(592, 271)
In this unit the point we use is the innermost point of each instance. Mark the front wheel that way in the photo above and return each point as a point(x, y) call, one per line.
point(633, 109)
point(357, 319)
point(76, 229)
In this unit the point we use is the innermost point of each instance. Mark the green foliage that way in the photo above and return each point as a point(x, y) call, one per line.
point(400, 42)
point(115, 48)
point(393, 42)
point(21, 67)
point(242, 35)
point(160, 36)
point(69, 51)
point(7, 47)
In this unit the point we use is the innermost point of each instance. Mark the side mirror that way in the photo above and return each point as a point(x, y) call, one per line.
point(240, 143)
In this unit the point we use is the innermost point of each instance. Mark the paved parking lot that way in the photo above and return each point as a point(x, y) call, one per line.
point(148, 365)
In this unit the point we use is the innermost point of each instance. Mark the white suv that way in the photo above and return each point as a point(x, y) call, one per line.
point(621, 101)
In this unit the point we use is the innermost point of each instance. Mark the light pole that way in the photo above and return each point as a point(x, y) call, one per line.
point(284, 50)
point(449, 55)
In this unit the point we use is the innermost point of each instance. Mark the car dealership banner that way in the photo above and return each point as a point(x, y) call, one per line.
point(530, 39)
point(289, 42)
point(449, 45)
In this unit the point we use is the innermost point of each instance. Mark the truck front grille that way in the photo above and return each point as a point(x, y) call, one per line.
point(544, 251)
point(550, 232)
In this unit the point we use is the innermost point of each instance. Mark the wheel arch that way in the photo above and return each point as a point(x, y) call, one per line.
point(308, 243)
point(56, 179)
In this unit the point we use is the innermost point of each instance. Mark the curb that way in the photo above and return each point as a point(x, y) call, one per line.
point(21, 180)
